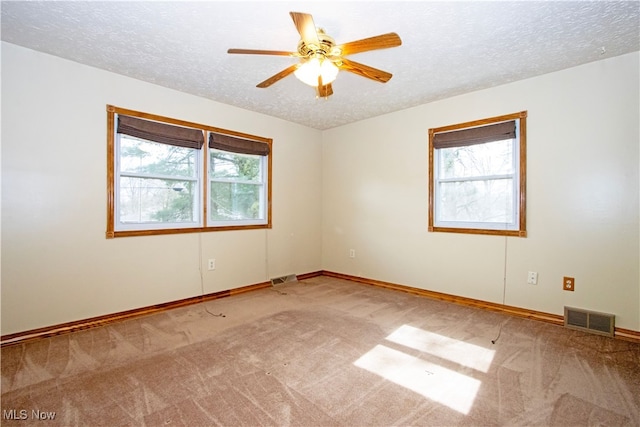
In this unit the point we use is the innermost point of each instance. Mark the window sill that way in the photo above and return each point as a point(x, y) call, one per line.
point(511, 233)
point(132, 233)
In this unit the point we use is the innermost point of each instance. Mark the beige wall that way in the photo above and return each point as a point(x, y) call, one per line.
point(57, 265)
point(360, 186)
point(582, 196)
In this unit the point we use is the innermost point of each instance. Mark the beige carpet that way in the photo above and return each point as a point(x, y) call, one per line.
point(323, 352)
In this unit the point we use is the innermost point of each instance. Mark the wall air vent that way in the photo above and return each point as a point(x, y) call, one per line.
point(284, 279)
point(589, 321)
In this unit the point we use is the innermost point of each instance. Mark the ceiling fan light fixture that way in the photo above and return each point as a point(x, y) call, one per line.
point(315, 67)
point(321, 59)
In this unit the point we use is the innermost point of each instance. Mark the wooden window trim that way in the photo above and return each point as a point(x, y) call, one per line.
point(522, 227)
point(112, 233)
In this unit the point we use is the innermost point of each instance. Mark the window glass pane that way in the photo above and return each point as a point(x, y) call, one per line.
point(146, 157)
point(156, 200)
point(244, 167)
point(477, 201)
point(492, 158)
point(232, 201)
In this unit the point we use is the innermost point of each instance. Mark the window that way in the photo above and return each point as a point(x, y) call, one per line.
point(237, 176)
point(477, 176)
point(161, 180)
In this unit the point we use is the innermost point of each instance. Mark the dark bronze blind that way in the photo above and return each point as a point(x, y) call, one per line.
point(238, 145)
point(163, 133)
point(473, 136)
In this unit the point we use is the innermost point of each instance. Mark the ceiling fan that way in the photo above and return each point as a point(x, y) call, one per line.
point(321, 58)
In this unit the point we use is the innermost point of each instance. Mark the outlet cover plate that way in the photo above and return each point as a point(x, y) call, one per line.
point(569, 284)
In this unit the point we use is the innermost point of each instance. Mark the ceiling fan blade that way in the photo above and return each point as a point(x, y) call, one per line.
point(365, 71)
point(305, 26)
point(324, 91)
point(276, 77)
point(382, 41)
point(262, 52)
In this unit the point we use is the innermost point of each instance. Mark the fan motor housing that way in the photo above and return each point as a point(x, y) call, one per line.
point(327, 43)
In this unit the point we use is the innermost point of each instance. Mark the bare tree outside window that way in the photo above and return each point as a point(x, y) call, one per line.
point(157, 182)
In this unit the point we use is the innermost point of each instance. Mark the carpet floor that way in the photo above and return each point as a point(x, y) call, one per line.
point(322, 352)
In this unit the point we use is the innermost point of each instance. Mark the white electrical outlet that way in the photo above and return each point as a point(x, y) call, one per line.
point(212, 264)
point(532, 278)
point(352, 253)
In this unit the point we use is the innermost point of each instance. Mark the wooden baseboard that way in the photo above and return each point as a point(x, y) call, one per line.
point(78, 325)
point(620, 333)
point(65, 328)
point(309, 275)
point(627, 334)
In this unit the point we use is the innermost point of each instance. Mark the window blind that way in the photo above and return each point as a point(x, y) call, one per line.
point(238, 145)
point(476, 135)
point(162, 133)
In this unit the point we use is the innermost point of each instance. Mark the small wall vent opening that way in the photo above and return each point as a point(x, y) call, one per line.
point(284, 279)
point(589, 321)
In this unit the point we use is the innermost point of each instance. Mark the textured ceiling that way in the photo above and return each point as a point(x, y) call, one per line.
point(448, 48)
